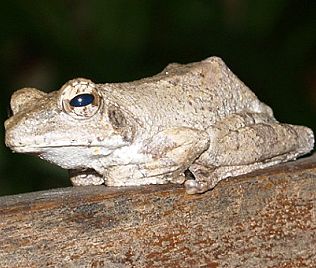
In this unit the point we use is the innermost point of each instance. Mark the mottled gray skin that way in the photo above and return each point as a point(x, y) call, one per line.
point(198, 119)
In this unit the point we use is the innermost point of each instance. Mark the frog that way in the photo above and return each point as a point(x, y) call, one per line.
point(194, 124)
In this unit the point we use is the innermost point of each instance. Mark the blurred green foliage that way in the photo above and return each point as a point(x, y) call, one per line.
point(269, 44)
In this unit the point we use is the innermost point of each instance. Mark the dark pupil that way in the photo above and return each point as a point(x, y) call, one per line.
point(82, 100)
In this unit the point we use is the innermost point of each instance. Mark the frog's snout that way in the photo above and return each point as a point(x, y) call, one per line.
point(21, 100)
point(24, 97)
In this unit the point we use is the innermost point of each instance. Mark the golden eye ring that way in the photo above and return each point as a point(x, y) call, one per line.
point(80, 99)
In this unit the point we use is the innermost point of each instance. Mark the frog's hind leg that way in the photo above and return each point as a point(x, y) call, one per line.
point(201, 178)
point(243, 150)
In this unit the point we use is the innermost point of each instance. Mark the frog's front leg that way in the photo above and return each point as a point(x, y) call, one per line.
point(164, 158)
point(238, 150)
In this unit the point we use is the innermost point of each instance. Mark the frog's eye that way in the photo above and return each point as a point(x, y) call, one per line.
point(80, 98)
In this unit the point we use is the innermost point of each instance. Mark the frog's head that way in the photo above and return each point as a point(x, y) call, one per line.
point(69, 127)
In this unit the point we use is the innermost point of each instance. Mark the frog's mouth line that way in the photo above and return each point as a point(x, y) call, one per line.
point(42, 149)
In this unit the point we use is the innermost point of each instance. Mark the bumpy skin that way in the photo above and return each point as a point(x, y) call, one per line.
point(198, 119)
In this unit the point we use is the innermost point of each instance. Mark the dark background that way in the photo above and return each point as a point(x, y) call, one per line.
point(269, 44)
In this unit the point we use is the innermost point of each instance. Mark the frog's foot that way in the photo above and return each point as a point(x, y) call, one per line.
point(85, 177)
point(200, 179)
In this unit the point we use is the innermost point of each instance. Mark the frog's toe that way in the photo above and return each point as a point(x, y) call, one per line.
point(195, 187)
point(84, 178)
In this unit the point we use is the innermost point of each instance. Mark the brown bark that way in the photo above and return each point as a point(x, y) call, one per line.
point(264, 219)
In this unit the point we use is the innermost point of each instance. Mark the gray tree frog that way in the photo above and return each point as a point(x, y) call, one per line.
point(194, 124)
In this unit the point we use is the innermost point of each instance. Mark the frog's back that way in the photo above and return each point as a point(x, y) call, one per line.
point(193, 95)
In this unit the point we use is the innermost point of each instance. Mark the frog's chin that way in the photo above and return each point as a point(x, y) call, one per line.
point(69, 157)
point(75, 157)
